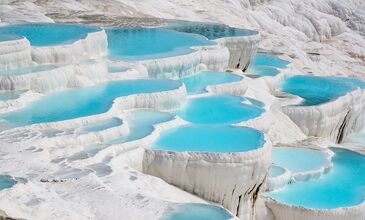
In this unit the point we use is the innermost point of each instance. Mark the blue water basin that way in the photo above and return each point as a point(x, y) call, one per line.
point(9, 95)
point(276, 171)
point(209, 138)
point(263, 70)
point(141, 124)
point(298, 160)
point(100, 125)
point(342, 186)
point(139, 43)
point(268, 60)
point(48, 34)
point(215, 109)
point(317, 90)
point(6, 182)
point(85, 101)
point(197, 212)
point(210, 30)
point(27, 70)
point(197, 84)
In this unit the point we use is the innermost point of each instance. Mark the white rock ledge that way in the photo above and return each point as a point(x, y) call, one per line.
point(332, 120)
point(94, 45)
point(15, 54)
point(230, 179)
point(289, 212)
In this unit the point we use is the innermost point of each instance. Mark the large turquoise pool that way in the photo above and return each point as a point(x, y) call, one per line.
point(197, 84)
point(85, 101)
point(195, 211)
point(47, 34)
point(298, 160)
point(317, 90)
point(139, 43)
point(342, 186)
point(209, 138)
point(214, 109)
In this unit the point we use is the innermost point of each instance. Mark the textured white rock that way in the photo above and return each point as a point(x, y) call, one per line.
point(332, 120)
point(15, 54)
point(94, 45)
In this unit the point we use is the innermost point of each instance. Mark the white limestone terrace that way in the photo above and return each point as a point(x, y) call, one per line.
point(328, 40)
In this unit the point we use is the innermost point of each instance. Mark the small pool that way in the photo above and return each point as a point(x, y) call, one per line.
point(298, 160)
point(197, 211)
point(6, 182)
point(215, 109)
point(137, 43)
point(27, 70)
point(141, 124)
point(209, 138)
point(10, 95)
point(210, 30)
point(48, 34)
point(317, 90)
point(100, 125)
point(263, 70)
point(117, 69)
point(276, 171)
point(8, 37)
point(342, 186)
point(197, 84)
point(85, 101)
point(268, 60)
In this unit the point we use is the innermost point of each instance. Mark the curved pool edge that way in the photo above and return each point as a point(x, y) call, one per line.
point(283, 211)
point(196, 171)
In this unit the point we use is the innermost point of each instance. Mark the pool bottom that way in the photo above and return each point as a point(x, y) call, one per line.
point(198, 212)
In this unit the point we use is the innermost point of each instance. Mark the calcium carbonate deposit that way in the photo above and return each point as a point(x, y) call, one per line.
point(182, 110)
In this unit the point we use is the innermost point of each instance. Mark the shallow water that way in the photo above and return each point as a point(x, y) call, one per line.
point(148, 43)
point(85, 101)
point(276, 171)
point(8, 37)
point(100, 125)
point(141, 124)
point(317, 90)
point(9, 95)
point(268, 60)
point(263, 70)
point(210, 30)
point(47, 34)
point(6, 182)
point(298, 159)
point(215, 109)
point(197, 84)
point(342, 186)
point(209, 138)
point(197, 212)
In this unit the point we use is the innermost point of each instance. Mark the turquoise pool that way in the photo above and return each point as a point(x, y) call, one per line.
point(27, 70)
point(263, 70)
point(48, 34)
point(210, 30)
point(100, 125)
point(342, 186)
point(195, 211)
point(209, 138)
point(141, 124)
point(276, 171)
point(268, 60)
point(139, 43)
point(85, 101)
point(316, 90)
point(6, 182)
point(298, 160)
point(197, 84)
point(215, 109)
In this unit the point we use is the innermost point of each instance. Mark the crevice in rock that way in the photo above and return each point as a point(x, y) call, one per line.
point(342, 128)
point(238, 205)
